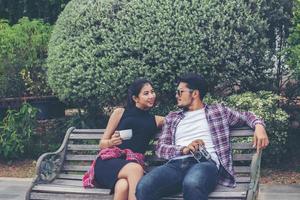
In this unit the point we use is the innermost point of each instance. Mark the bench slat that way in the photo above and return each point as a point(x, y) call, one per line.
point(93, 131)
point(59, 196)
point(61, 187)
point(81, 157)
point(221, 191)
point(216, 195)
point(69, 189)
point(219, 188)
point(77, 183)
point(94, 134)
point(83, 147)
point(241, 169)
point(69, 157)
point(243, 179)
point(85, 136)
point(242, 157)
point(70, 176)
point(242, 145)
point(241, 133)
point(80, 168)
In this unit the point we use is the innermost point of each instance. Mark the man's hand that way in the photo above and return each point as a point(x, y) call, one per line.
point(193, 146)
point(260, 138)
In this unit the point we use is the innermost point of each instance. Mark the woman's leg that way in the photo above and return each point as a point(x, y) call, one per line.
point(132, 172)
point(121, 189)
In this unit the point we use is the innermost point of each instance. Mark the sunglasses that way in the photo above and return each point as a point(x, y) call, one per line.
point(179, 92)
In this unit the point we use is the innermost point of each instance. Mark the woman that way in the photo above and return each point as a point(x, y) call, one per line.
point(120, 174)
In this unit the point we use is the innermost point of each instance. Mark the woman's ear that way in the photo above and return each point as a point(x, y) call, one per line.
point(135, 99)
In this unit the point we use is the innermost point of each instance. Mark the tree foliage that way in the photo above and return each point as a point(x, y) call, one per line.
point(23, 51)
point(99, 47)
point(48, 10)
point(278, 15)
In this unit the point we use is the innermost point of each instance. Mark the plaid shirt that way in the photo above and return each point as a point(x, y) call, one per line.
point(220, 119)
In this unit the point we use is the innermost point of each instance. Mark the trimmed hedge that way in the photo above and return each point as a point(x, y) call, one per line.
point(99, 47)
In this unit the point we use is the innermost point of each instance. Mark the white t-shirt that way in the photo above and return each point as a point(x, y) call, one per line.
point(194, 126)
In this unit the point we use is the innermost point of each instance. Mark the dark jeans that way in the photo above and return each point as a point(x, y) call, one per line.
point(195, 180)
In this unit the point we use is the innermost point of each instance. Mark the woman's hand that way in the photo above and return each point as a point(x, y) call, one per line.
point(115, 139)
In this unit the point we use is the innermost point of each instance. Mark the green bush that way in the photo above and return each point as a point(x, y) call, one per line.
point(99, 47)
point(294, 50)
point(49, 134)
point(11, 82)
point(47, 10)
point(16, 130)
point(23, 51)
point(265, 105)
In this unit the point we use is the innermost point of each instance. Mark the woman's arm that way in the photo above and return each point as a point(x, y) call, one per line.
point(110, 137)
point(160, 120)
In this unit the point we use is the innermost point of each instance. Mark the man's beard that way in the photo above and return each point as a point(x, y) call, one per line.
point(184, 107)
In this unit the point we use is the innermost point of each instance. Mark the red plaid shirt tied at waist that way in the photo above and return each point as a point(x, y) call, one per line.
point(88, 179)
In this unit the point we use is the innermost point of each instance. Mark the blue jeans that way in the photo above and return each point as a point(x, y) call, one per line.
point(195, 180)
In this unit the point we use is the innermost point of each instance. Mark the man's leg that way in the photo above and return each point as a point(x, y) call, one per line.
point(199, 181)
point(163, 180)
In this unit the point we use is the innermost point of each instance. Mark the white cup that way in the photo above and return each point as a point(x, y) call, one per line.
point(126, 134)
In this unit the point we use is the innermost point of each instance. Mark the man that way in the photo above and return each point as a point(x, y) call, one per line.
point(196, 124)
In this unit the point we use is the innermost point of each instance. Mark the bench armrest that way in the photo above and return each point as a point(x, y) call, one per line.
point(49, 164)
point(254, 176)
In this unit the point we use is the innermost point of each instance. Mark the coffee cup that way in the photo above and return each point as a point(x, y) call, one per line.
point(125, 134)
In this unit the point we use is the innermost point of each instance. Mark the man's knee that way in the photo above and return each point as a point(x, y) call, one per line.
point(142, 187)
point(191, 183)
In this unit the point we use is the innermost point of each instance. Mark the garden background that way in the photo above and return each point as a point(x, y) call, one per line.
point(81, 55)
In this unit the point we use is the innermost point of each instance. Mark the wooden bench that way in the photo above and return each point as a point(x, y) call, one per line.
point(59, 174)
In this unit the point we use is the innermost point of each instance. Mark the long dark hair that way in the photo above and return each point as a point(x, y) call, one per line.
point(134, 90)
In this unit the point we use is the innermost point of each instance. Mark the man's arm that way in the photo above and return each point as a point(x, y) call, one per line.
point(165, 147)
point(260, 137)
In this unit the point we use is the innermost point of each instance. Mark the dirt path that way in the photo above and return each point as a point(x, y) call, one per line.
point(19, 169)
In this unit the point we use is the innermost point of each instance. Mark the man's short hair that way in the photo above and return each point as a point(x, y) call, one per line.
point(195, 82)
